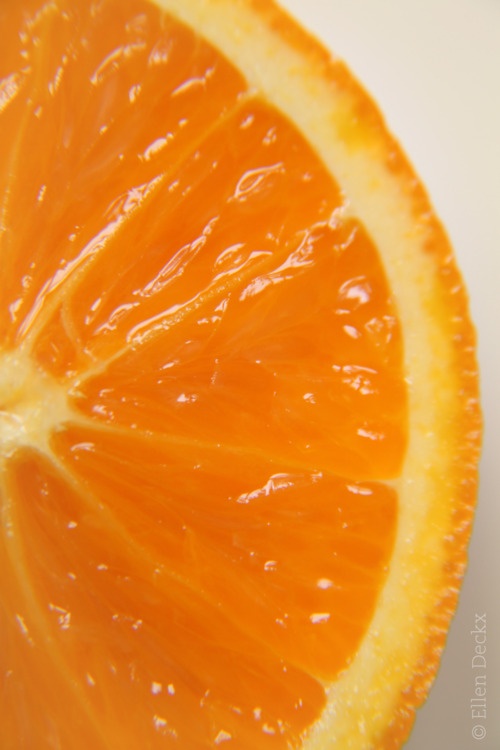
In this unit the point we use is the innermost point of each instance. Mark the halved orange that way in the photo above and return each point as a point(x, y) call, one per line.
point(239, 418)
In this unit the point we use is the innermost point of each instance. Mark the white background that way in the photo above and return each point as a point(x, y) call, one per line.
point(433, 66)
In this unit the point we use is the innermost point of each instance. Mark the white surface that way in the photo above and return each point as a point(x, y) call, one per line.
point(433, 66)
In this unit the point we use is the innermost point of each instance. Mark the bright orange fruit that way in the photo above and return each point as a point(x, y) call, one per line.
point(238, 393)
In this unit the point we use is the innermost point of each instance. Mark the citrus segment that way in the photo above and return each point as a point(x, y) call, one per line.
point(148, 617)
point(217, 391)
point(95, 120)
point(183, 217)
point(248, 359)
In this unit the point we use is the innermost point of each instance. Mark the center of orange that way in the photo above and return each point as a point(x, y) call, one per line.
point(32, 404)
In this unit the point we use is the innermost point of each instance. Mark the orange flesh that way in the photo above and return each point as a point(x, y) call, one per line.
point(201, 548)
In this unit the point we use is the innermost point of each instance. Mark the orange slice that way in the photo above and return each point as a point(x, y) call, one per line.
point(239, 425)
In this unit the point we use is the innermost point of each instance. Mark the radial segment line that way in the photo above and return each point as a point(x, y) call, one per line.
point(62, 284)
point(149, 330)
point(280, 462)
